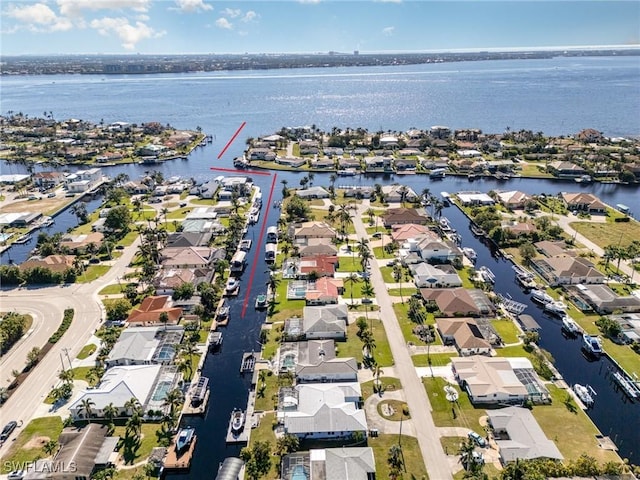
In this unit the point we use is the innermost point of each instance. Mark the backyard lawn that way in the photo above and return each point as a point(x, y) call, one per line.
point(603, 234)
point(445, 414)
point(135, 452)
point(86, 351)
point(92, 272)
point(437, 359)
point(506, 329)
point(353, 346)
point(413, 462)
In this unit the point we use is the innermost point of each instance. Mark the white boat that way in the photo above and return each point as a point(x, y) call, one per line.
point(556, 308)
point(627, 385)
point(232, 285)
point(487, 275)
point(470, 253)
point(592, 344)
point(541, 296)
point(570, 326)
point(585, 393)
point(446, 198)
point(237, 420)
point(445, 225)
point(184, 439)
point(438, 173)
point(245, 245)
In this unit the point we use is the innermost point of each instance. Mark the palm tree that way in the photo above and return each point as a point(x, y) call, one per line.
point(397, 275)
point(50, 447)
point(66, 376)
point(110, 413)
point(311, 177)
point(370, 212)
point(352, 279)
point(368, 345)
point(173, 399)
point(86, 406)
point(189, 350)
point(395, 461)
point(132, 405)
point(367, 292)
point(164, 212)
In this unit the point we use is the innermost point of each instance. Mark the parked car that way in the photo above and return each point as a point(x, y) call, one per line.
point(481, 442)
point(377, 235)
point(16, 475)
point(7, 430)
point(51, 195)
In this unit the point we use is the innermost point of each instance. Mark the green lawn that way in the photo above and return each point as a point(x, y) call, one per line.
point(353, 346)
point(464, 275)
point(397, 408)
point(624, 355)
point(465, 416)
point(573, 432)
point(405, 292)
point(437, 359)
point(285, 308)
point(406, 325)
point(603, 234)
point(379, 252)
point(264, 433)
point(113, 289)
point(128, 239)
point(388, 383)
point(86, 351)
point(387, 274)
point(80, 373)
point(350, 264)
point(414, 464)
point(506, 329)
point(134, 453)
point(352, 290)
point(270, 347)
point(178, 214)
point(92, 273)
point(267, 398)
point(48, 428)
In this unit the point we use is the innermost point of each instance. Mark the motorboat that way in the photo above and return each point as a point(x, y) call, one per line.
point(245, 245)
point(438, 173)
point(585, 393)
point(570, 326)
point(477, 231)
point(556, 308)
point(487, 275)
point(223, 311)
point(237, 420)
point(627, 385)
point(541, 296)
point(261, 301)
point(445, 225)
point(199, 391)
point(523, 277)
point(592, 344)
point(232, 285)
point(184, 438)
point(470, 253)
point(23, 239)
point(215, 340)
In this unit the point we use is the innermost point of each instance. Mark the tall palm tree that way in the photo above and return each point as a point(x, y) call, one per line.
point(86, 406)
point(370, 212)
point(66, 376)
point(189, 350)
point(397, 275)
point(395, 461)
point(50, 447)
point(110, 413)
point(173, 399)
point(367, 292)
point(368, 344)
point(352, 279)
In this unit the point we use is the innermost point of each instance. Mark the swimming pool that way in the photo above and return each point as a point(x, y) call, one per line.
point(161, 391)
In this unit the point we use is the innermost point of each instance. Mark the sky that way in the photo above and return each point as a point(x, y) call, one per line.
point(45, 27)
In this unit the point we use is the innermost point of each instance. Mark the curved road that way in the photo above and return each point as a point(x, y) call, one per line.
point(48, 305)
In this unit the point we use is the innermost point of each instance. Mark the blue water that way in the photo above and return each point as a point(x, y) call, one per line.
point(558, 96)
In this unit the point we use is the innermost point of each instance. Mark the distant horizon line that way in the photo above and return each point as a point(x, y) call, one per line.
point(360, 52)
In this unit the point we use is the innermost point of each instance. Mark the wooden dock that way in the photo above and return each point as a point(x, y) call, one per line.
point(200, 409)
point(182, 462)
point(250, 421)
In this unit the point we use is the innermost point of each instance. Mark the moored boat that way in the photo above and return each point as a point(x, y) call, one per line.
point(184, 438)
point(556, 308)
point(569, 326)
point(541, 296)
point(261, 301)
point(199, 391)
point(23, 238)
point(585, 393)
point(232, 285)
point(245, 245)
point(487, 275)
point(627, 385)
point(237, 420)
point(470, 253)
point(591, 344)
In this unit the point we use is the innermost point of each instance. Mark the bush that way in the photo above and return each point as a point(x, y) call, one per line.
point(621, 219)
point(64, 326)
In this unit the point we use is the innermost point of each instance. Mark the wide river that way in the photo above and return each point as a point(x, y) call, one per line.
point(557, 96)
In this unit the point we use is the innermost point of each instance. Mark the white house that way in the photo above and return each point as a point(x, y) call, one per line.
point(328, 321)
point(313, 192)
point(437, 250)
point(322, 410)
point(426, 275)
point(328, 371)
point(394, 193)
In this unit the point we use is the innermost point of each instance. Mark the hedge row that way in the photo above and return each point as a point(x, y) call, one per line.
point(66, 323)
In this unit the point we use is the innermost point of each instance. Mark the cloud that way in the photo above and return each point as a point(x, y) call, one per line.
point(232, 12)
point(388, 31)
point(191, 6)
point(224, 23)
point(249, 16)
point(39, 17)
point(74, 8)
point(129, 34)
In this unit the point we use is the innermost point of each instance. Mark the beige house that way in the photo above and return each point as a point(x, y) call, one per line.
point(464, 334)
point(568, 270)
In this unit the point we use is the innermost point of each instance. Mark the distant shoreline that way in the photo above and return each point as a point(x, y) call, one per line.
point(19, 65)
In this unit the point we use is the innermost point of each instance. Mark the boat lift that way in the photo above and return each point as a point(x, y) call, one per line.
point(510, 305)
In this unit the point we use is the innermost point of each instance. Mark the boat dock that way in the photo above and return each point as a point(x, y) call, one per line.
point(198, 393)
point(249, 360)
point(173, 461)
point(250, 421)
point(626, 385)
point(188, 409)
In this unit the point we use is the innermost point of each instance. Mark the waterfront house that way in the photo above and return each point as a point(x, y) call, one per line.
point(475, 198)
point(464, 334)
point(190, 257)
point(519, 436)
point(323, 163)
point(314, 247)
point(19, 219)
point(324, 291)
point(309, 352)
point(294, 162)
point(265, 154)
point(605, 301)
point(155, 345)
point(377, 164)
point(325, 322)
point(498, 380)
point(440, 132)
point(402, 216)
point(148, 313)
point(344, 463)
point(309, 230)
point(55, 263)
point(47, 179)
point(403, 232)
point(328, 371)
point(629, 326)
point(147, 384)
point(322, 410)
point(357, 191)
point(514, 199)
point(313, 192)
point(435, 251)
point(349, 164)
point(398, 193)
point(78, 244)
point(550, 248)
point(564, 169)
point(167, 280)
point(458, 302)
point(318, 265)
point(583, 202)
point(567, 270)
point(188, 239)
point(426, 275)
